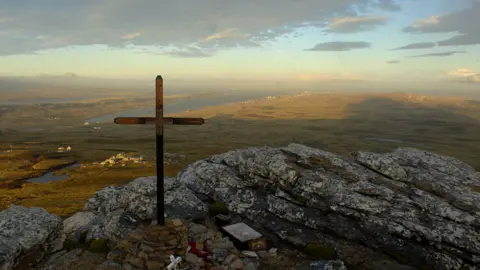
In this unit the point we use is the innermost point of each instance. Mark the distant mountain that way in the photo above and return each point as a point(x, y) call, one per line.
point(66, 75)
point(68, 81)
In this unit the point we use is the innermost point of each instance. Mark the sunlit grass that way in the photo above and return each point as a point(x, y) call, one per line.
point(335, 123)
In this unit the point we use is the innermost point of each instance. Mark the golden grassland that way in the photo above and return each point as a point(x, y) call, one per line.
point(340, 123)
point(65, 114)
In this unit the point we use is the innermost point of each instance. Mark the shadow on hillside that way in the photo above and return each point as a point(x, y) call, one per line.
point(376, 124)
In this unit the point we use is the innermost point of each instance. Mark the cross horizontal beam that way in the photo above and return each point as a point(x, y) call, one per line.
point(159, 121)
point(152, 121)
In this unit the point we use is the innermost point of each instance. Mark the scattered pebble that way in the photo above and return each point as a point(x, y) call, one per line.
point(249, 254)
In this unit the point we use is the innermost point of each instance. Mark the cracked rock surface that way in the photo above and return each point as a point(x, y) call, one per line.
point(27, 235)
point(408, 208)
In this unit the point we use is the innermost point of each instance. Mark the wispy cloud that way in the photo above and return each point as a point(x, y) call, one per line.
point(424, 23)
point(340, 46)
point(227, 34)
point(189, 52)
point(131, 35)
point(413, 46)
point(355, 24)
point(393, 62)
point(441, 54)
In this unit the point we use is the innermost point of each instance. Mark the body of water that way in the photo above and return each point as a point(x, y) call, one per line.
point(188, 104)
point(50, 177)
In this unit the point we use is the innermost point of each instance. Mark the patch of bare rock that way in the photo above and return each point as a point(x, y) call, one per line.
point(404, 210)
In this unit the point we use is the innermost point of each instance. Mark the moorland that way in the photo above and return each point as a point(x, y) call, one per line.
point(336, 122)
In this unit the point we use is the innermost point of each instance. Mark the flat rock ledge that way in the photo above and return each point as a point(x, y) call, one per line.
point(28, 235)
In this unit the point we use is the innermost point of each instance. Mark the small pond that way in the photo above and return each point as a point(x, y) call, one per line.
point(50, 177)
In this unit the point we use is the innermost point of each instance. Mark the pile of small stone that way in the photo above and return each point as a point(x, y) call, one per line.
point(210, 250)
point(149, 247)
point(197, 246)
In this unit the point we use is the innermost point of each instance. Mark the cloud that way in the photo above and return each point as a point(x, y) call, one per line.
point(464, 39)
point(338, 46)
point(5, 19)
point(442, 54)
point(424, 23)
point(166, 23)
point(464, 75)
point(421, 45)
point(190, 52)
point(463, 24)
point(355, 24)
point(227, 34)
point(393, 62)
point(130, 36)
point(388, 5)
point(327, 77)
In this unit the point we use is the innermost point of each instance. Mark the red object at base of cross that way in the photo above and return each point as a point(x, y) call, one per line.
point(202, 253)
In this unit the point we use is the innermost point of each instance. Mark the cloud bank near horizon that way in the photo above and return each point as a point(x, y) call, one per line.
point(464, 75)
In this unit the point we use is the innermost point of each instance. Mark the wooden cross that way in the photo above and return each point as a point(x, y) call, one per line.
point(159, 121)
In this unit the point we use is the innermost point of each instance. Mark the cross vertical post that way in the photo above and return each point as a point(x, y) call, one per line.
point(160, 149)
point(159, 121)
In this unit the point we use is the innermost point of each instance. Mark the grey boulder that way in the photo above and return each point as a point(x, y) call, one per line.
point(27, 235)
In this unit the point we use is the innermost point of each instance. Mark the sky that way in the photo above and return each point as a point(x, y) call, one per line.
point(422, 41)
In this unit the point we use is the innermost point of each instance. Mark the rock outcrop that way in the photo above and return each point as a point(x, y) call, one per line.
point(114, 211)
point(408, 209)
point(27, 235)
point(402, 210)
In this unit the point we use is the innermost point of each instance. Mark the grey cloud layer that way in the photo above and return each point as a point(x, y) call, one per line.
point(441, 54)
point(464, 23)
point(421, 45)
point(338, 46)
point(28, 26)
